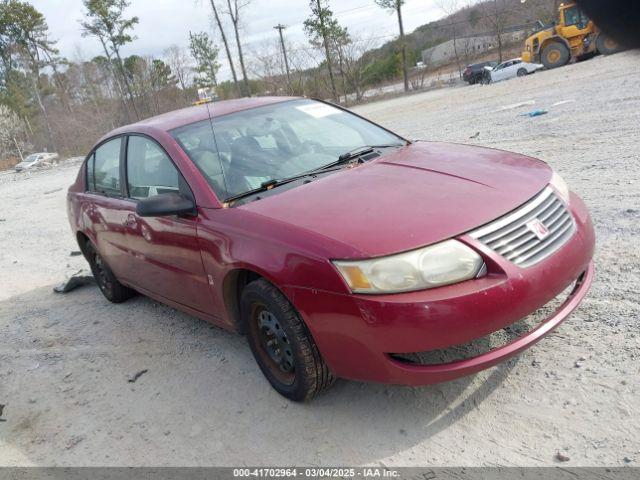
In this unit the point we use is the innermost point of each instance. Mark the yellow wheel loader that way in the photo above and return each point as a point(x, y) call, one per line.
point(573, 36)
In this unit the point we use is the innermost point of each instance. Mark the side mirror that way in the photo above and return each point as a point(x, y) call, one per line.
point(166, 204)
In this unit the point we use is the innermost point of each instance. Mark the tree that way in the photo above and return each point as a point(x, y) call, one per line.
point(105, 20)
point(450, 8)
point(474, 17)
point(24, 44)
point(495, 17)
point(234, 13)
point(161, 76)
point(396, 6)
point(205, 53)
point(218, 20)
point(9, 134)
point(354, 60)
point(180, 64)
point(321, 27)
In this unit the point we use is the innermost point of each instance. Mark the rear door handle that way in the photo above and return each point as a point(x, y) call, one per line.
point(130, 221)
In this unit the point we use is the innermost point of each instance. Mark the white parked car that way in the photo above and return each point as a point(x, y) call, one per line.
point(511, 69)
point(36, 159)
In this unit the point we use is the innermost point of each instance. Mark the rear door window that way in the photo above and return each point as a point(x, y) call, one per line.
point(90, 177)
point(106, 168)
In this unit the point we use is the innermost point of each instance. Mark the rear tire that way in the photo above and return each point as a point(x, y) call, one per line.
point(607, 45)
point(281, 343)
point(109, 285)
point(523, 72)
point(555, 55)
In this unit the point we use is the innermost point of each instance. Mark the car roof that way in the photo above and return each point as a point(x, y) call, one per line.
point(185, 116)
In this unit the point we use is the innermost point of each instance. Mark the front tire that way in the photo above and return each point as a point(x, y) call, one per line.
point(109, 285)
point(607, 45)
point(281, 343)
point(523, 72)
point(555, 55)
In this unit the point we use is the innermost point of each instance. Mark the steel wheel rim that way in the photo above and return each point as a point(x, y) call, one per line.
point(273, 345)
point(102, 278)
point(553, 56)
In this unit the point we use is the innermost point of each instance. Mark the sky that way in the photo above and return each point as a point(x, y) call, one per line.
point(167, 22)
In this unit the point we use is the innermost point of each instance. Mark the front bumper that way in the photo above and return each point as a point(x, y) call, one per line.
point(357, 333)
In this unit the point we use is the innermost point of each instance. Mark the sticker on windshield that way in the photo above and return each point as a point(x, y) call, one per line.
point(318, 110)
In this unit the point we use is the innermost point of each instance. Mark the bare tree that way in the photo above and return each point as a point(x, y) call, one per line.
point(417, 82)
point(179, 62)
point(268, 66)
point(450, 8)
point(9, 134)
point(223, 35)
point(355, 63)
point(234, 7)
point(396, 6)
point(495, 17)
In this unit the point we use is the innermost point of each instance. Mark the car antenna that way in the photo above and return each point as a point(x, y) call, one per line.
point(215, 142)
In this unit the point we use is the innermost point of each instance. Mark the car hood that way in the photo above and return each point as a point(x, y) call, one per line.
point(418, 195)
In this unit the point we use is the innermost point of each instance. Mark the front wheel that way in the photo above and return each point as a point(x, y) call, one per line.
point(281, 343)
point(555, 55)
point(109, 285)
point(522, 72)
point(607, 45)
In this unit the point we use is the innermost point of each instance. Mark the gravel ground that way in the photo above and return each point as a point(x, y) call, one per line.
point(65, 360)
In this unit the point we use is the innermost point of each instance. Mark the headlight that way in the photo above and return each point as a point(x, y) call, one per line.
point(434, 266)
point(561, 186)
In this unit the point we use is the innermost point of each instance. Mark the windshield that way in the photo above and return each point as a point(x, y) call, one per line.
point(31, 158)
point(274, 142)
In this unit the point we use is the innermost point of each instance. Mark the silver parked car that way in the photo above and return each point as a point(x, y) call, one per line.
point(510, 69)
point(36, 159)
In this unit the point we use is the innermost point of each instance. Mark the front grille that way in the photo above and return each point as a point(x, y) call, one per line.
point(515, 240)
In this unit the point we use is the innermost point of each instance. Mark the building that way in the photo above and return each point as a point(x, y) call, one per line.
point(471, 46)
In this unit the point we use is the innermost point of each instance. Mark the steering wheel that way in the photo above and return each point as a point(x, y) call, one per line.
point(311, 146)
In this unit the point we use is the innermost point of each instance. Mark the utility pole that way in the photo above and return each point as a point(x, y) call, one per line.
point(280, 28)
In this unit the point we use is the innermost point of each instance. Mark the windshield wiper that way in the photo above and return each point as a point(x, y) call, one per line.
point(342, 159)
point(355, 153)
point(270, 184)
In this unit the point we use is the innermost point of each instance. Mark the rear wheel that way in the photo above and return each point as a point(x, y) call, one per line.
point(607, 45)
point(109, 285)
point(281, 343)
point(555, 55)
point(522, 72)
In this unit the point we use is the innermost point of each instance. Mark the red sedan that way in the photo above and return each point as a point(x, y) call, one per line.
point(338, 247)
